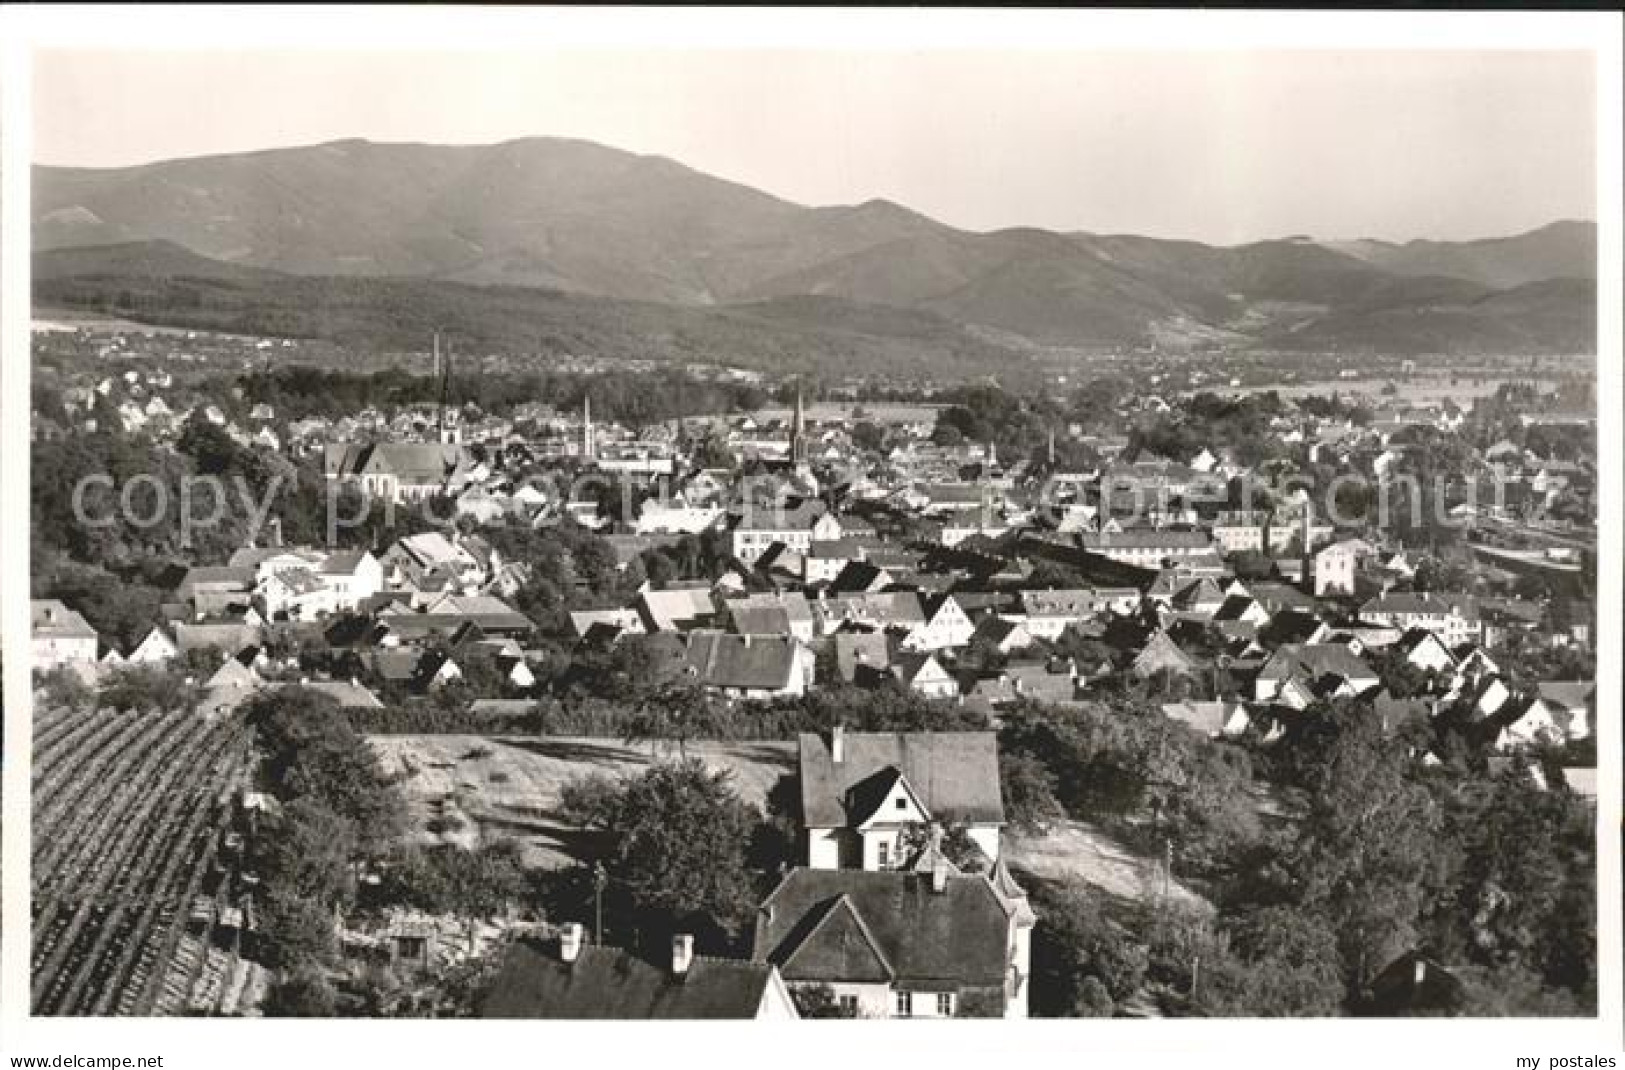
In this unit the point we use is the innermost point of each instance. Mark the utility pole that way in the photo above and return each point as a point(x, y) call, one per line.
point(1167, 867)
point(600, 880)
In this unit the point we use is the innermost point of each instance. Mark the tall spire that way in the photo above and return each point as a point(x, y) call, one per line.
point(446, 433)
point(586, 427)
point(798, 431)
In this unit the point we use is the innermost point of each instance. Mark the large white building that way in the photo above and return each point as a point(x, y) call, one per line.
point(61, 636)
point(796, 527)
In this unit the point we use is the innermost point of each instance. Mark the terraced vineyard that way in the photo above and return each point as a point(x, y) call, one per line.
point(129, 811)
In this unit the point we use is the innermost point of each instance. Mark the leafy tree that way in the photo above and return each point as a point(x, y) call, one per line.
point(302, 994)
point(296, 932)
point(145, 688)
point(1524, 897)
point(953, 840)
point(1075, 941)
point(1280, 962)
point(448, 879)
point(591, 800)
point(867, 435)
point(1367, 852)
point(818, 1001)
point(677, 711)
point(305, 851)
point(682, 835)
point(63, 688)
point(311, 749)
point(1029, 792)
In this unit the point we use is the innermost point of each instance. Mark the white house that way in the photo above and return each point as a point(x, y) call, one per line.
point(1426, 651)
point(1332, 567)
point(1454, 619)
point(352, 577)
point(61, 636)
point(294, 594)
point(155, 648)
point(946, 626)
point(924, 674)
point(796, 527)
point(1528, 722)
point(865, 795)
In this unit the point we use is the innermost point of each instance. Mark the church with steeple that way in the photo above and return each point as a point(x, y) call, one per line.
point(800, 462)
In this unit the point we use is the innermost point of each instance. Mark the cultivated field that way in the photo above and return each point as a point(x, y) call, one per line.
point(129, 809)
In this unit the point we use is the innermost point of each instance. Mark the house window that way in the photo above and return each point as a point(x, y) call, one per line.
point(945, 1004)
point(905, 1005)
point(882, 854)
point(902, 804)
point(849, 1006)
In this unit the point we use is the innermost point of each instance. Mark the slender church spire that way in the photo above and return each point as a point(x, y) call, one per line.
point(587, 447)
point(448, 432)
point(798, 432)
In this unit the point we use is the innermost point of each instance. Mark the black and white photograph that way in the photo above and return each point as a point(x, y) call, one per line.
point(548, 531)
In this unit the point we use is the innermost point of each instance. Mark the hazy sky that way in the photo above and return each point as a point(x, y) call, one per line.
point(1220, 147)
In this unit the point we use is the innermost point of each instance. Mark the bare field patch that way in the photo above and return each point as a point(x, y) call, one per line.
point(1075, 851)
point(468, 788)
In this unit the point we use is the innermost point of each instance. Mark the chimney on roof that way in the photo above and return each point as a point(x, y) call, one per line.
point(939, 876)
point(682, 954)
point(1419, 970)
point(837, 744)
point(570, 938)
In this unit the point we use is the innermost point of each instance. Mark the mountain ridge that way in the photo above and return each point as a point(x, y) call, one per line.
point(571, 216)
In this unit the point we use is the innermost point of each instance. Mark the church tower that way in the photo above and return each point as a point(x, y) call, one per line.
point(798, 433)
point(587, 445)
point(451, 432)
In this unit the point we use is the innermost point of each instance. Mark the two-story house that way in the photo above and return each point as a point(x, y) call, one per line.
point(863, 794)
point(61, 636)
point(933, 944)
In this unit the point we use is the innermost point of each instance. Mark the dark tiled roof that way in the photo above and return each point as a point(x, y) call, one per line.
point(870, 650)
point(343, 563)
point(1570, 694)
point(605, 982)
point(955, 774)
point(412, 462)
point(763, 662)
point(844, 924)
point(760, 620)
